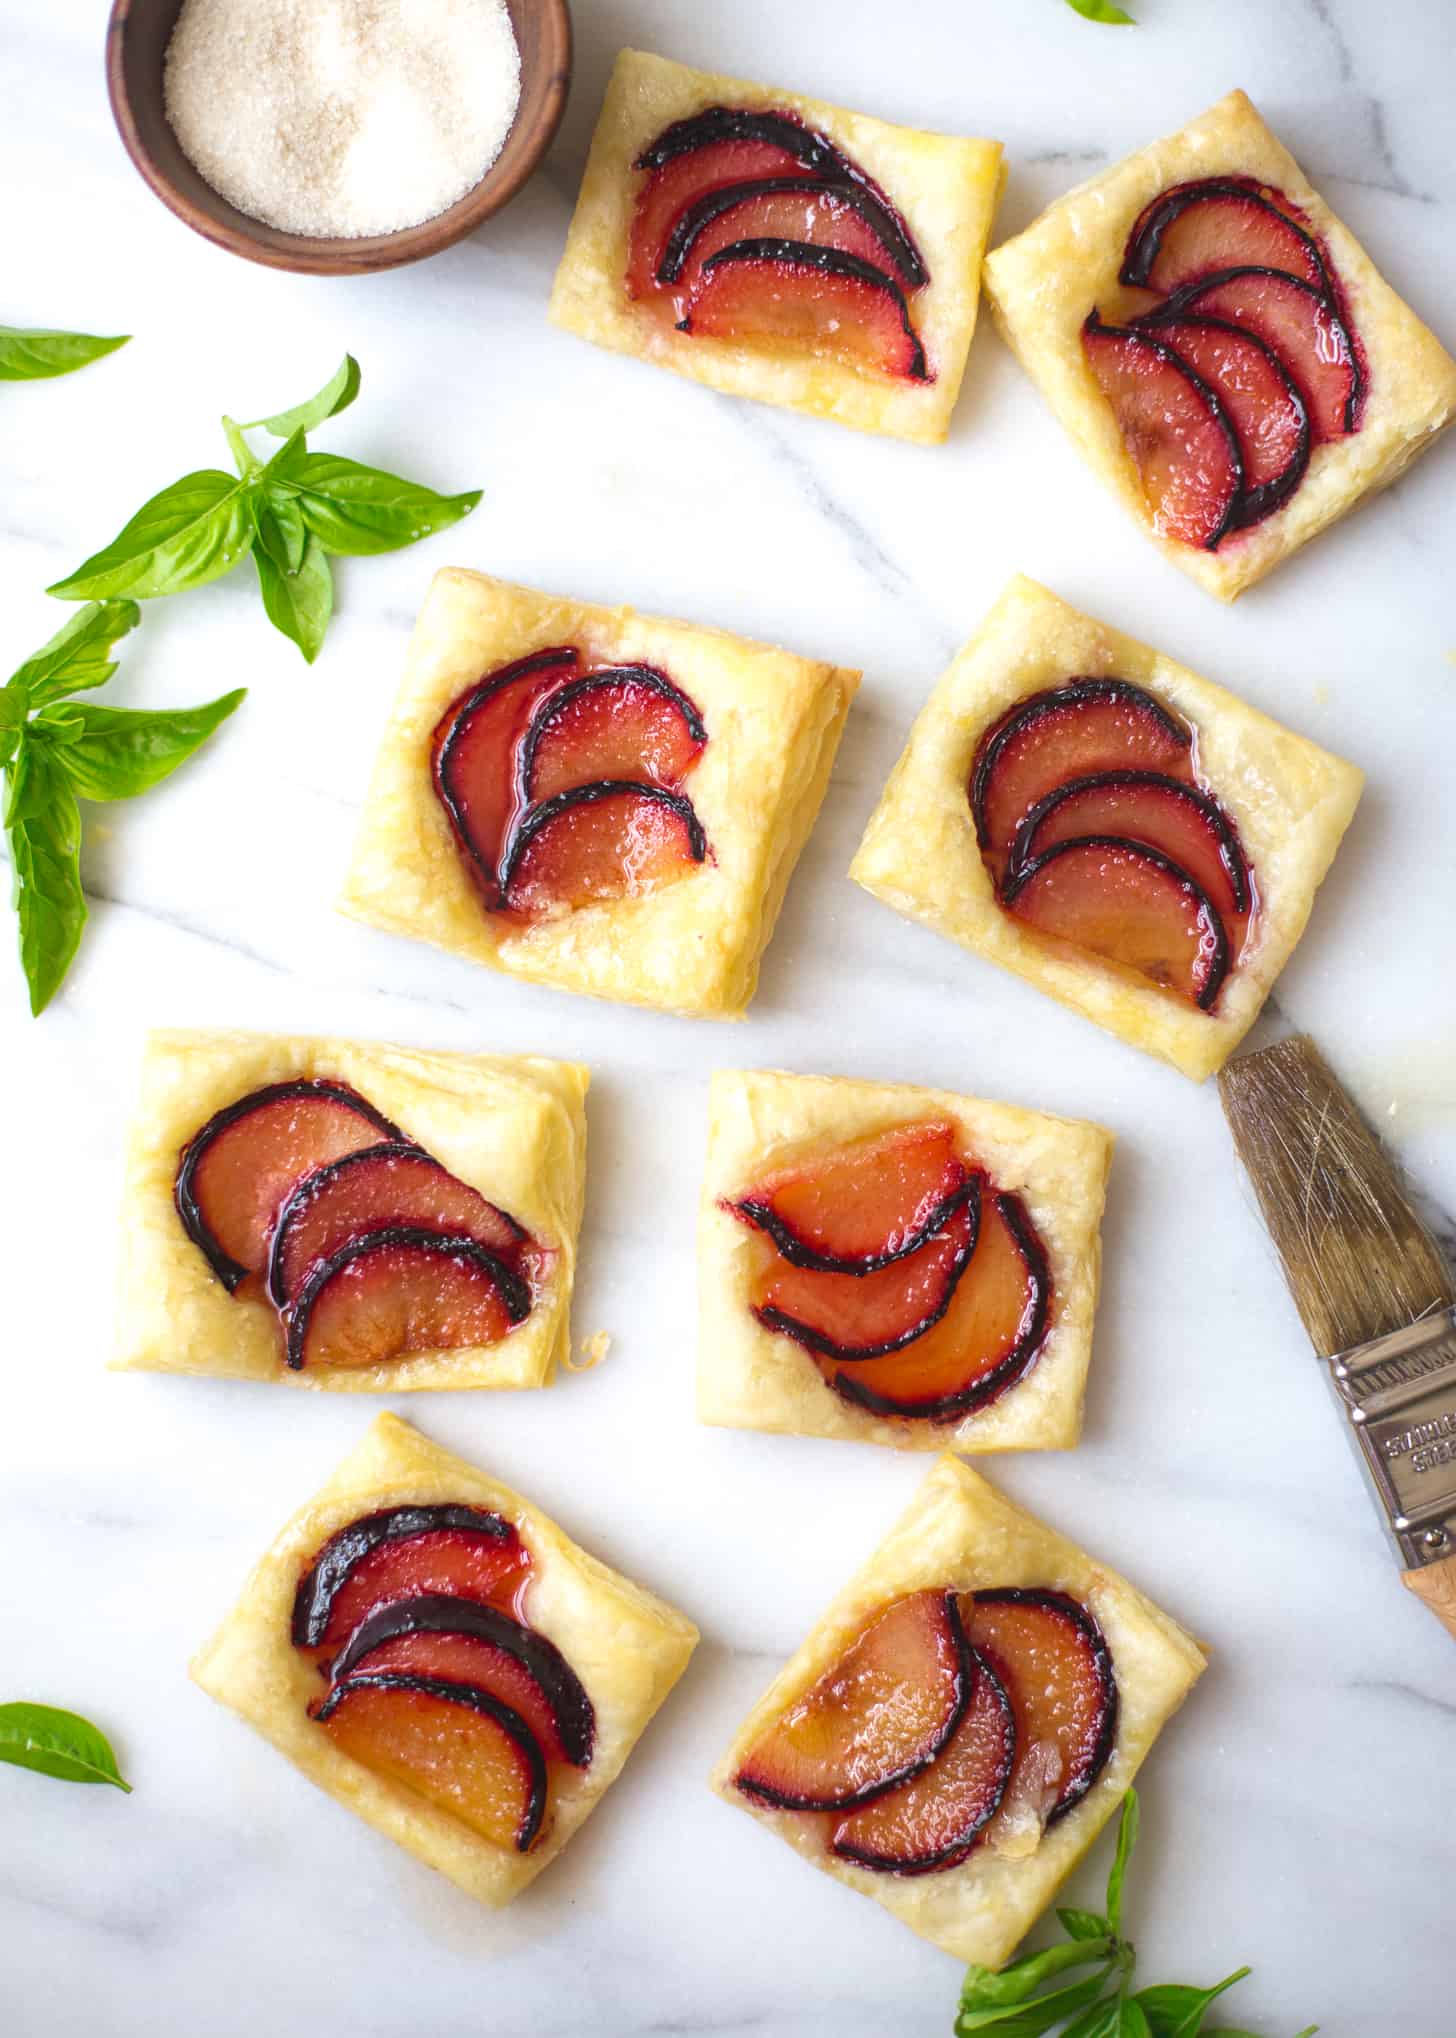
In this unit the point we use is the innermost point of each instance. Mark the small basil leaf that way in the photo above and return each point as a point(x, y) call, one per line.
point(1126, 1841)
point(1102, 10)
point(1098, 2022)
point(1031, 2019)
point(1131, 2022)
point(32, 356)
point(75, 658)
point(116, 753)
point(1015, 1983)
point(1176, 2010)
point(299, 604)
point(281, 529)
point(336, 395)
point(57, 1744)
point(354, 509)
point(44, 827)
point(187, 535)
point(1084, 1924)
point(244, 458)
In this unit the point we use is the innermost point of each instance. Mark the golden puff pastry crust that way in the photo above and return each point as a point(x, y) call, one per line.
point(961, 1534)
point(752, 1378)
point(512, 1127)
point(945, 186)
point(692, 946)
point(627, 1646)
point(1043, 283)
point(1290, 801)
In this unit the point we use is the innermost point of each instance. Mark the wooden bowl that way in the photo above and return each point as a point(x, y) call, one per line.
point(136, 42)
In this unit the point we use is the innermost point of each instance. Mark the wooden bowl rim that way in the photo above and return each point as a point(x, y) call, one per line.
point(306, 255)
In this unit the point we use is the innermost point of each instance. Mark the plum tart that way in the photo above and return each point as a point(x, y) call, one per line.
point(775, 247)
point(594, 799)
point(1220, 346)
point(1127, 836)
point(430, 1649)
point(896, 1265)
point(956, 1729)
point(342, 1215)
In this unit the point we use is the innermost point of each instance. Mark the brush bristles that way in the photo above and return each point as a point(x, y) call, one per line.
point(1358, 1260)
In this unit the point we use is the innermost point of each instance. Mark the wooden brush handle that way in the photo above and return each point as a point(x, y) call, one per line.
point(1436, 1585)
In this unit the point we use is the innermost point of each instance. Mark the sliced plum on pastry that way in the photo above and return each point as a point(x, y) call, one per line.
point(238, 1169)
point(1176, 431)
point(456, 1745)
point(406, 1552)
point(777, 293)
point(1193, 229)
point(1129, 904)
point(1076, 731)
point(987, 1339)
point(609, 840)
point(1188, 826)
point(400, 1290)
point(436, 1635)
point(475, 747)
point(935, 1819)
point(624, 723)
point(860, 1316)
point(800, 209)
point(1054, 1663)
point(726, 146)
point(879, 1715)
point(863, 1206)
point(1302, 326)
point(368, 1190)
point(1259, 398)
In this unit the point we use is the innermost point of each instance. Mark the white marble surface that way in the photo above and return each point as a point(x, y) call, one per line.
point(1299, 1813)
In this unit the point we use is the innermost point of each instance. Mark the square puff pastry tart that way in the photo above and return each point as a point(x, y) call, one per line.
point(750, 1377)
point(691, 946)
point(1290, 801)
point(961, 1534)
point(945, 187)
point(512, 1127)
point(1043, 284)
point(627, 1647)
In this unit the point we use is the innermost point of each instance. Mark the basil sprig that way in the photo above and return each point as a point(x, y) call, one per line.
point(289, 512)
point(1102, 10)
point(1029, 1997)
point(54, 751)
point(57, 1743)
point(31, 356)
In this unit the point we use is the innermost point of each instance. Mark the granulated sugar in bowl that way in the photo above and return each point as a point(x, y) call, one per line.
point(342, 117)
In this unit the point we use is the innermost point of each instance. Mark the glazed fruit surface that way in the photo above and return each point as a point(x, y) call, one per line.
point(1097, 833)
point(368, 1249)
point(1031, 1727)
point(914, 1286)
point(563, 783)
point(750, 227)
point(416, 1619)
point(1229, 357)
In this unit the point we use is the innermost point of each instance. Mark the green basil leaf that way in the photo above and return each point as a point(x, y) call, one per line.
point(75, 658)
point(189, 534)
point(32, 356)
point(1102, 10)
point(1098, 2022)
point(43, 823)
point(336, 395)
point(1031, 2019)
point(1126, 1841)
point(353, 509)
point(281, 528)
point(299, 604)
point(116, 753)
point(984, 1986)
point(1131, 2020)
point(1084, 1924)
point(1177, 2010)
point(57, 1744)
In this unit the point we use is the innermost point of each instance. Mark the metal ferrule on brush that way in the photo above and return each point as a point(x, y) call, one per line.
point(1399, 1392)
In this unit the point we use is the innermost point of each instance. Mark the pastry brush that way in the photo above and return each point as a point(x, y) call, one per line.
point(1373, 1288)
